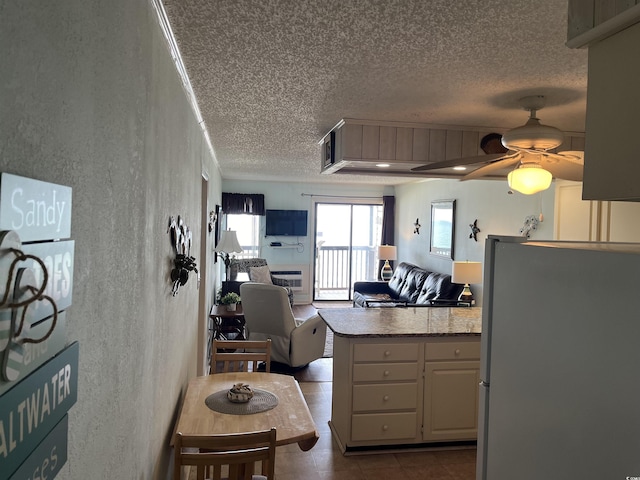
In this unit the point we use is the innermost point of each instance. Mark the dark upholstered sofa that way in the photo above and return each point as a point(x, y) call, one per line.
point(409, 285)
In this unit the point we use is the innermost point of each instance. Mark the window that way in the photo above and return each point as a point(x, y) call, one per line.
point(247, 229)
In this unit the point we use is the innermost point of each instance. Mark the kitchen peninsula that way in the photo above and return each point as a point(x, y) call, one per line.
point(404, 376)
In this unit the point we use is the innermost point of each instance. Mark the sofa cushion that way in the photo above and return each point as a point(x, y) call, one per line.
point(399, 277)
point(412, 285)
point(438, 286)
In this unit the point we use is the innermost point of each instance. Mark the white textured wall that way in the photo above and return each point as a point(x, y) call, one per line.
point(497, 212)
point(90, 98)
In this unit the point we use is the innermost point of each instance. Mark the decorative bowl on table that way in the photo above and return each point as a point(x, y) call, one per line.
point(240, 393)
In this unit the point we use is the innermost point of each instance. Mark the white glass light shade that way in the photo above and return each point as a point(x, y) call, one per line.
point(529, 178)
point(228, 242)
point(387, 252)
point(466, 272)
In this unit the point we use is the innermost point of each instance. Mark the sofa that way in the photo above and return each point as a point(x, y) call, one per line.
point(409, 285)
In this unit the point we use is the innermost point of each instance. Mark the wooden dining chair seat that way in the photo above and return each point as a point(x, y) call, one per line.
point(239, 355)
point(233, 456)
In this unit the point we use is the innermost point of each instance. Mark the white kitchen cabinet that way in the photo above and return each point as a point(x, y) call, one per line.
point(452, 375)
point(404, 391)
point(591, 220)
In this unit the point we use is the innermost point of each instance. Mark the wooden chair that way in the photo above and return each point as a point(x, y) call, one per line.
point(235, 358)
point(233, 455)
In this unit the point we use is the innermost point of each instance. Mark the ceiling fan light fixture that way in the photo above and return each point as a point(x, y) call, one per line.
point(529, 178)
point(534, 136)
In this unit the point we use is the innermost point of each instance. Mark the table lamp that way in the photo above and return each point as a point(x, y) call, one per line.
point(386, 253)
point(467, 273)
point(228, 244)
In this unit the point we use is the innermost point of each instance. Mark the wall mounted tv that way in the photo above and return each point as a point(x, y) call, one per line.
point(291, 223)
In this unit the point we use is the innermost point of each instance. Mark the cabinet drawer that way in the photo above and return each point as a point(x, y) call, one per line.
point(384, 426)
point(384, 372)
point(392, 396)
point(389, 352)
point(453, 351)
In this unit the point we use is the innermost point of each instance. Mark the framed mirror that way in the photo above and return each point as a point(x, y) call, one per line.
point(442, 228)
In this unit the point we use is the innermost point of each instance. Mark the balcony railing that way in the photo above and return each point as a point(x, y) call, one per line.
point(334, 279)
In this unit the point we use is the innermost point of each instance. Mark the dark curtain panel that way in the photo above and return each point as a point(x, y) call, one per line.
point(239, 203)
point(388, 222)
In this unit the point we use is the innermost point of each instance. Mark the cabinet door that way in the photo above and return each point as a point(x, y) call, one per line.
point(451, 400)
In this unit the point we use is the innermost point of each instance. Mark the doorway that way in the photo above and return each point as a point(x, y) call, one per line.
point(347, 236)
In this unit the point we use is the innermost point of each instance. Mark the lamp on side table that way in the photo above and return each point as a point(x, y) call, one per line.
point(386, 253)
point(466, 273)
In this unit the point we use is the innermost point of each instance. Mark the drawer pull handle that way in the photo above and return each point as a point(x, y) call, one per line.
point(387, 353)
point(385, 428)
point(386, 373)
point(457, 352)
point(385, 398)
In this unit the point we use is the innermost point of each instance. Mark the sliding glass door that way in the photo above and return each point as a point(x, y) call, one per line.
point(346, 241)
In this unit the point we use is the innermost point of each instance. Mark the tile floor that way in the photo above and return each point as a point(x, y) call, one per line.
point(325, 461)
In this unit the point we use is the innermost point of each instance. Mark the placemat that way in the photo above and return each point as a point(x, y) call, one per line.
point(260, 402)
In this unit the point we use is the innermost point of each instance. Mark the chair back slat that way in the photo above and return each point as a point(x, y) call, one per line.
point(238, 453)
point(240, 355)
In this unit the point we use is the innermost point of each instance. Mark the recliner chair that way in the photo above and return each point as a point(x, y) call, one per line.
point(268, 314)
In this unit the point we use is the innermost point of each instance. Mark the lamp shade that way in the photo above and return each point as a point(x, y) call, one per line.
point(466, 272)
point(529, 178)
point(228, 242)
point(387, 252)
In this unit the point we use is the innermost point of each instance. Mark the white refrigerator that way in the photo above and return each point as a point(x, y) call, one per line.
point(560, 369)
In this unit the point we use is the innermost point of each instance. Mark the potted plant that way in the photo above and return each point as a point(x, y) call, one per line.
point(231, 300)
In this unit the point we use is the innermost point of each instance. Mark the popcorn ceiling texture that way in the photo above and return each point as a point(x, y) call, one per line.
point(273, 77)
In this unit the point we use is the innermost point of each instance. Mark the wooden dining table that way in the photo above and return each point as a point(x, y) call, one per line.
point(291, 415)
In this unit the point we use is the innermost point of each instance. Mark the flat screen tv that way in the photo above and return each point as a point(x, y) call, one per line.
point(291, 223)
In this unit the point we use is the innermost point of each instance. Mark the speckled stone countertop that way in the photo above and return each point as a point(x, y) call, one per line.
point(403, 321)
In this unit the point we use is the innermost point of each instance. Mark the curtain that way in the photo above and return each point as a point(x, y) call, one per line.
point(388, 224)
point(243, 203)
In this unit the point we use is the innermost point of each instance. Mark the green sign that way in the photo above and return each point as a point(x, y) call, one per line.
point(48, 458)
point(30, 410)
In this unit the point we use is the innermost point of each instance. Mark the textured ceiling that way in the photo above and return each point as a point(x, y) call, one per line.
point(272, 77)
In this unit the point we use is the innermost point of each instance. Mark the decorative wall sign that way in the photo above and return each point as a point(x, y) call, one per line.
point(33, 407)
point(39, 376)
point(35, 210)
point(416, 226)
point(442, 228)
point(48, 458)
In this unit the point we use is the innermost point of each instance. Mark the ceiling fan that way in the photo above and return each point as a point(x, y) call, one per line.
point(528, 150)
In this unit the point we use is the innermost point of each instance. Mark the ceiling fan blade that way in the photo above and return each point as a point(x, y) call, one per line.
point(458, 162)
point(574, 156)
point(561, 167)
point(493, 167)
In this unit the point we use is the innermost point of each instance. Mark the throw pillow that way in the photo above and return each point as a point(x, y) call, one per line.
point(260, 274)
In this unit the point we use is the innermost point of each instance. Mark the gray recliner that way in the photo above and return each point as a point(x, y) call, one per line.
point(268, 314)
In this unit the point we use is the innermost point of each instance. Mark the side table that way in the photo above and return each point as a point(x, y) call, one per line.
point(225, 325)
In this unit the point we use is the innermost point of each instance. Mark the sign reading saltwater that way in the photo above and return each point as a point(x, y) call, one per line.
point(31, 409)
